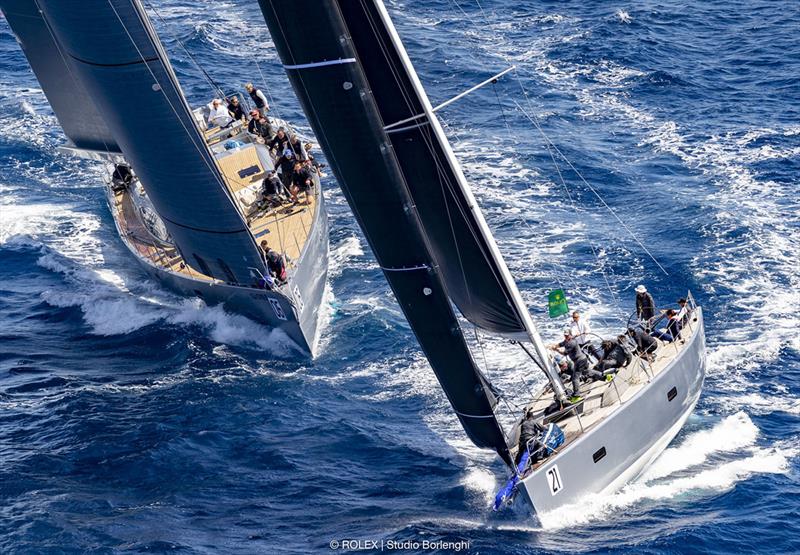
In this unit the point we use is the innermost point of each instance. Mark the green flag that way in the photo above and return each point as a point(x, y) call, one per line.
point(557, 303)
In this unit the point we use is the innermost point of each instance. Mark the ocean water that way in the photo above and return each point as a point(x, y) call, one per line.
point(132, 419)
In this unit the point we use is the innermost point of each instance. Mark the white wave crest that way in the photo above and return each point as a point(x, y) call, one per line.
point(733, 433)
point(481, 483)
point(681, 471)
point(342, 253)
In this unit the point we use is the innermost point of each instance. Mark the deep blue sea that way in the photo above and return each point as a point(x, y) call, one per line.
point(132, 419)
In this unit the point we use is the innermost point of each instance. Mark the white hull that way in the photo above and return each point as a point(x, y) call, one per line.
point(617, 448)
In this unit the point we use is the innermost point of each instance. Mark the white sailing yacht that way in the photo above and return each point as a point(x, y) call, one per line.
point(185, 196)
point(407, 190)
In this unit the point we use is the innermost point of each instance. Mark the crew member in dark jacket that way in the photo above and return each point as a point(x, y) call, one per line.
point(645, 344)
point(571, 348)
point(645, 305)
point(279, 142)
point(298, 148)
point(235, 109)
point(614, 357)
point(674, 323)
point(276, 265)
point(302, 182)
point(286, 165)
point(529, 433)
point(272, 189)
point(259, 126)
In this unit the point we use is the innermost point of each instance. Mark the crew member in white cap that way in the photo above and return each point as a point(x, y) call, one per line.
point(645, 305)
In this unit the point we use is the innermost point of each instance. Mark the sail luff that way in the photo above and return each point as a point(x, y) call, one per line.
point(322, 65)
point(118, 57)
point(474, 221)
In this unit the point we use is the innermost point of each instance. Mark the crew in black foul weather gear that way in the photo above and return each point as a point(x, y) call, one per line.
point(645, 305)
point(646, 344)
point(614, 356)
point(571, 348)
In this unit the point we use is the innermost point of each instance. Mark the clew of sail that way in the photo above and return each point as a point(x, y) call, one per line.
point(335, 93)
point(120, 61)
point(67, 96)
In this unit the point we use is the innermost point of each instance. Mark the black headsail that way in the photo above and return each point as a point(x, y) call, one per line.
point(71, 103)
point(476, 275)
point(322, 65)
point(120, 61)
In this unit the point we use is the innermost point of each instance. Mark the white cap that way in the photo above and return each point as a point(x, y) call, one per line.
point(567, 331)
point(641, 289)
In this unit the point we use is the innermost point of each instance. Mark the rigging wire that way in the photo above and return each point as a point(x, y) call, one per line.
point(553, 264)
point(205, 153)
point(591, 244)
point(214, 85)
point(550, 145)
point(266, 88)
point(592, 189)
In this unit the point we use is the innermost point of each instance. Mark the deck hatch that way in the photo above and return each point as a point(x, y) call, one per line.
point(247, 172)
point(599, 454)
point(672, 393)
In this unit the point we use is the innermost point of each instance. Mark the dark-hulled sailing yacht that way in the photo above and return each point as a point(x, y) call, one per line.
point(185, 195)
point(410, 197)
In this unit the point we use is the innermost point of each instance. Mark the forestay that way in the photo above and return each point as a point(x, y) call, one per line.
point(119, 59)
point(71, 103)
point(322, 64)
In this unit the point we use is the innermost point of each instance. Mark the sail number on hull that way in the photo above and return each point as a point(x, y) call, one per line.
point(277, 308)
point(554, 480)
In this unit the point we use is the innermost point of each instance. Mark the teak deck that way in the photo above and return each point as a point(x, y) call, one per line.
point(285, 228)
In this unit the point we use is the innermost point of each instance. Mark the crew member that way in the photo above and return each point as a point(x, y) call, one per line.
point(645, 305)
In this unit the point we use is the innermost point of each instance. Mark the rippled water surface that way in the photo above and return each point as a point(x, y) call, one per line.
point(135, 419)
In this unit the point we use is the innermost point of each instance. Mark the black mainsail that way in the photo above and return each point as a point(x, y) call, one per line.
point(421, 223)
point(116, 55)
point(67, 96)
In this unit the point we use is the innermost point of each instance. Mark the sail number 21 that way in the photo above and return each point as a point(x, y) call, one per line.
point(554, 480)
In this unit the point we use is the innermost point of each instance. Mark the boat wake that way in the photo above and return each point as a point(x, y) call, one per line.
point(707, 462)
point(747, 220)
point(98, 278)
